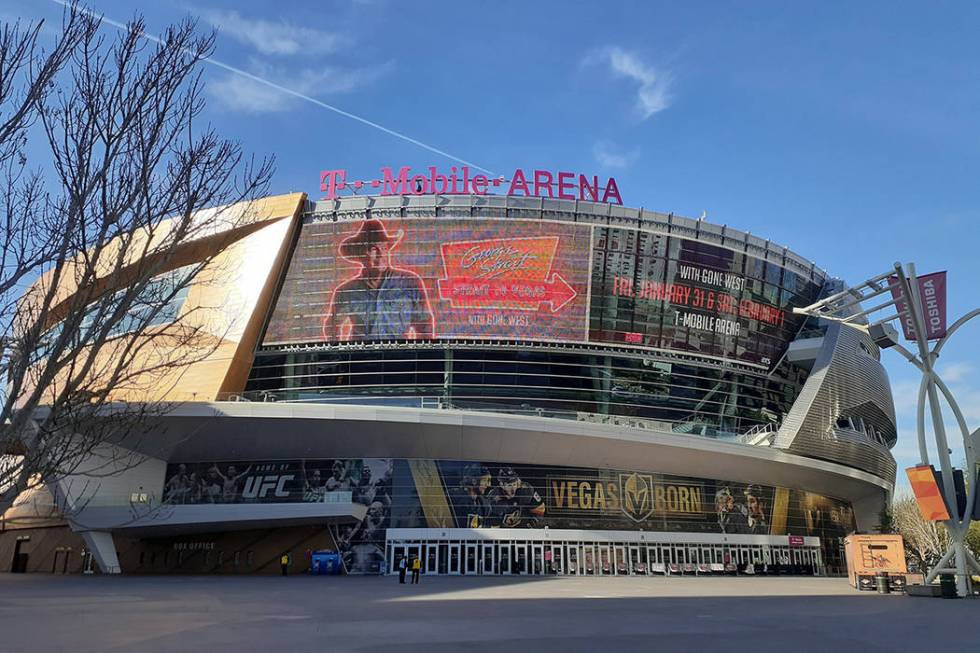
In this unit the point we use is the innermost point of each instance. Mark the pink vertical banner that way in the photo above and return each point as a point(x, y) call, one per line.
point(932, 296)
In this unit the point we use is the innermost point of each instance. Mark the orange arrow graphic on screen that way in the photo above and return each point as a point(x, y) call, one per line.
point(508, 273)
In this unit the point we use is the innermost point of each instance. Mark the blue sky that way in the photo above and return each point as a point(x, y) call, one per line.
point(849, 132)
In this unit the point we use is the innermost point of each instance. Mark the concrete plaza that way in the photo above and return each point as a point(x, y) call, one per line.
point(224, 613)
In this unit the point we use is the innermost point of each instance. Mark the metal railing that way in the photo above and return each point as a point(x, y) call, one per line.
point(756, 435)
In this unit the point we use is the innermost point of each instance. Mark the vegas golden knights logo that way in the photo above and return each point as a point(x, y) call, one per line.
point(637, 492)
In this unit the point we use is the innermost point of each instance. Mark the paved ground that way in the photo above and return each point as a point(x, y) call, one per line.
point(217, 614)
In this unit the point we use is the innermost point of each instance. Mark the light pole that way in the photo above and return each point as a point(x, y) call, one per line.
point(904, 289)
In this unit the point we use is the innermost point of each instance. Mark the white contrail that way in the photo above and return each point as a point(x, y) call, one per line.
point(288, 91)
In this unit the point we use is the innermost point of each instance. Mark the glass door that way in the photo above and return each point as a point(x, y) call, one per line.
point(638, 559)
point(418, 551)
point(653, 555)
point(573, 558)
point(432, 560)
point(537, 557)
point(454, 565)
point(679, 555)
point(605, 559)
point(589, 559)
point(443, 559)
point(521, 558)
point(489, 552)
point(397, 553)
point(558, 559)
point(470, 558)
point(504, 557)
point(621, 566)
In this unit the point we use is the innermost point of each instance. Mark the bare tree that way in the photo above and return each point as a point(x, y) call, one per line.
point(925, 541)
point(104, 175)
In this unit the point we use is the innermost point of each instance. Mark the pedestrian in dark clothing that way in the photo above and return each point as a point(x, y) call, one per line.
point(284, 562)
point(402, 567)
point(416, 570)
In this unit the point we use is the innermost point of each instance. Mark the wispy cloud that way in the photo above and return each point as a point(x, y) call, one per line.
point(608, 155)
point(653, 90)
point(238, 93)
point(955, 372)
point(274, 37)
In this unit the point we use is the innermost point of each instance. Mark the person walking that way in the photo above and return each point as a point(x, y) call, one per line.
point(284, 563)
point(416, 570)
point(402, 567)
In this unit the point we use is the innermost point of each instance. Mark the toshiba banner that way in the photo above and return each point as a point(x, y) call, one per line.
point(932, 296)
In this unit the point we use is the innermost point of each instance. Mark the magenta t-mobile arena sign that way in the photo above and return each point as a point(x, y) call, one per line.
point(540, 183)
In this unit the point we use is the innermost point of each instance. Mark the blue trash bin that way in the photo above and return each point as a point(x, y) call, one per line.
point(325, 563)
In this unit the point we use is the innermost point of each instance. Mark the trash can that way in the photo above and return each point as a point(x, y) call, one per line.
point(896, 584)
point(866, 583)
point(881, 581)
point(947, 583)
point(325, 563)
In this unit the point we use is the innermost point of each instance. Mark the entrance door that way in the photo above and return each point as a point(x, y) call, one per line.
point(573, 559)
point(417, 551)
point(538, 560)
point(558, 559)
point(505, 557)
point(19, 563)
point(432, 559)
point(489, 551)
point(443, 559)
point(605, 559)
point(653, 555)
point(454, 561)
point(621, 567)
point(397, 552)
point(521, 558)
point(588, 560)
point(471, 555)
point(638, 559)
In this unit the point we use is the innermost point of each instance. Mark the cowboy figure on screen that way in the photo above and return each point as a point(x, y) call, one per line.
point(381, 301)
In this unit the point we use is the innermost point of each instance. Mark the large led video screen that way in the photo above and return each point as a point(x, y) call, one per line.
point(507, 279)
point(687, 296)
point(379, 280)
